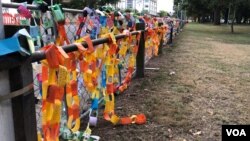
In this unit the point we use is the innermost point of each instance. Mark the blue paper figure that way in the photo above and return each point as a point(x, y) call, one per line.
point(103, 21)
point(12, 45)
point(93, 34)
point(94, 105)
point(104, 78)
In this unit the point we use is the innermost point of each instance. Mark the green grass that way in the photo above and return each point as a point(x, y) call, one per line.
point(217, 64)
point(220, 33)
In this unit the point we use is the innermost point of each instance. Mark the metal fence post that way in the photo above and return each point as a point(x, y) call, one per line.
point(161, 41)
point(141, 52)
point(170, 42)
point(6, 120)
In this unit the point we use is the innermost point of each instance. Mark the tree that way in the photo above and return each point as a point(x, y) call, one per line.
point(103, 2)
point(163, 13)
point(136, 12)
point(226, 13)
point(236, 10)
point(198, 9)
point(144, 12)
point(75, 4)
point(239, 7)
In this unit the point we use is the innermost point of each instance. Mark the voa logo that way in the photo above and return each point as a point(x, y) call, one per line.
point(236, 132)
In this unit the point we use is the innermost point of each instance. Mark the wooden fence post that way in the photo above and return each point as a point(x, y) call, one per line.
point(141, 52)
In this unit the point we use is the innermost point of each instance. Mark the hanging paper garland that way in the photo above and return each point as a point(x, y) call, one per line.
point(52, 92)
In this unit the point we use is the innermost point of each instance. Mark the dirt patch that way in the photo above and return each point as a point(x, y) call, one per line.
point(209, 87)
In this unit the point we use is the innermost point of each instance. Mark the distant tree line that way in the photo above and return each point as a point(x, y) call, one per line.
point(236, 11)
point(163, 13)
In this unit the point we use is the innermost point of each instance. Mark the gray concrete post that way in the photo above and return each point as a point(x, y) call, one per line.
point(6, 120)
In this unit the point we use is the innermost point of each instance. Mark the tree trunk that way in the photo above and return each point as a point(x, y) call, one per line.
point(91, 3)
point(199, 19)
point(245, 20)
point(195, 19)
point(212, 18)
point(226, 16)
point(232, 24)
point(229, 11)
point(238, 18)
point(203, 19)
point(217, 16)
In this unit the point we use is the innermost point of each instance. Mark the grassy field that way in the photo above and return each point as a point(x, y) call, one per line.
point(210, 87)
point(221, 33)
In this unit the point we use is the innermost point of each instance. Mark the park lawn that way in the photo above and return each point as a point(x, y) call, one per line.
point(210, 87)
point(221, 33)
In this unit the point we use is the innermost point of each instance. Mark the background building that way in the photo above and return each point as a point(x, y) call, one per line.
point(150, 6)
point(141, 5)
point(121, 4)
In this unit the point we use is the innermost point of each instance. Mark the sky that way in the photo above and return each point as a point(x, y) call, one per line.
point(166, 5)
point(5, 0)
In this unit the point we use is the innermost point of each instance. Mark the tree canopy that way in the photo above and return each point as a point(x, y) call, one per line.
point(163, 13)
point(213, 10)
